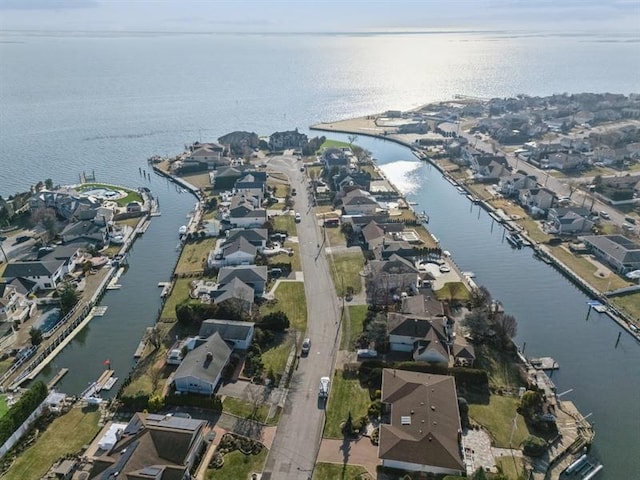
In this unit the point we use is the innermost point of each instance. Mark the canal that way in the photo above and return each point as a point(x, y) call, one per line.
point(551, 311)
point(132, 308)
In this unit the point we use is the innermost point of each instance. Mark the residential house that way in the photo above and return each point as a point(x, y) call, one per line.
point(288, 139)
point(243, 213)
point(335, 158)
point(14, 305)
point(235, 291)
point(396, 274)
point(422, 305)
point(620, 252)
point(252, 184)
point(255, 236)
point(361, 180)
point(358, 222)
point(358, 202)
point(426, 338)
point(239, 334)
point(464, 355)
point(489, 166)
point(134, 207)
point(565, 161)
point(151, 447)
point(401, 248)
point(253, 275)
point(569, 221)
point(510, 185)
point(235, 252)
point(536, 198)
point(373, 235)
point(85, 230)
point(421, 428)
point(224, 178)
point(209, 155)
point(201, 369)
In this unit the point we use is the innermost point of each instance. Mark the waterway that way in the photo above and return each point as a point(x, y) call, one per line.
point(133, 307)
point(551, 311)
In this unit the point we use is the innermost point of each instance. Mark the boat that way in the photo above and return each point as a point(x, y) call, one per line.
point(109, 383)
point(515, 240)
point(182, 230)
point(460, 189)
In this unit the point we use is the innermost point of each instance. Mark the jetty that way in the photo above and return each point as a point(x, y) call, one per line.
point(143, 343)
point(544, 363)
point(52, 383)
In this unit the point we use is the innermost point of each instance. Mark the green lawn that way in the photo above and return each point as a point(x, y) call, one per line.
point(132, 195)
point(66, 434)
point(501, 369)
point(328, 143)
point(276, 357)
point(295, 261)
point(497, 418)
point(533, 230)
point(345, 271)
point(194, 255)
point(357, 314)
point(586, 270)
point(3, 405)
point(282, 189)
point(5, 364)
point(372, 171)
point(335, 471)
point(345, 395)
point(238, 466)
point(291, 300)
point(630, 304)
point(453, 290)
point(511, 467)
point(245, 409)
point(286, 223)
point(335, 238)
point(179, 293)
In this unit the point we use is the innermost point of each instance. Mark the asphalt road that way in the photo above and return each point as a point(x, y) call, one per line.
point(294, 450)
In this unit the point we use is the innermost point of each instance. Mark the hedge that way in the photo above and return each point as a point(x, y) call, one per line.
point(20, 411)
point(193, 400)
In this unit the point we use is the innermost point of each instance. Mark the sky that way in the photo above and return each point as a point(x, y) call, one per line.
point(610, 16)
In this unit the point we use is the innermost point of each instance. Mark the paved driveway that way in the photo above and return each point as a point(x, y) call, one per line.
point(354, 452)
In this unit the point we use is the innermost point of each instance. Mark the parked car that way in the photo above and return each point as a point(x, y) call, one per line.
point(22, 239)
point(604, 214)
point(366, 353)
point(444, 268)
point(298, 217)
point(323, 388)
point(306, 346)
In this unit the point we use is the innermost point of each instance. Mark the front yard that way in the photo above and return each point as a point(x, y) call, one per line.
point(245, 409)
point(238, 465)
point(345, 395)
point(284, 223)
point(275, 358)
point(335, 471)
point(345, 272)
point(289, 298)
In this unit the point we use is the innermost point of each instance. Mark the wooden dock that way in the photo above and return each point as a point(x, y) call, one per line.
point(99, 311)
point(544, 363)
point(52, 383)
point(143, 343)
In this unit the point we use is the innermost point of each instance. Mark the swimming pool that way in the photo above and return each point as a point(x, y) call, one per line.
point(48, 320)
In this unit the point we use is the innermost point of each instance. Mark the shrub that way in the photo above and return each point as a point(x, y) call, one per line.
point(374, 409)
point(21, 410)
point(534, 446)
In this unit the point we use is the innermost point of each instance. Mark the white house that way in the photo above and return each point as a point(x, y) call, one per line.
point(201, 369)
point(236, 252)
point(243, 213)
point(359, 202)
point(14, 306)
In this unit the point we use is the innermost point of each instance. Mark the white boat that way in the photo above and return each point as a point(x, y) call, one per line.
point(182, 230)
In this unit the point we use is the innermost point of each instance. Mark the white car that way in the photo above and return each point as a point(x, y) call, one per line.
point(306, 346)
point(444, 268)
point(323, 389)
point(298, 217)
point(604, 214)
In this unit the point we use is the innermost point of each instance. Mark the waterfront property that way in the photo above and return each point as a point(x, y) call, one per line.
point(150, 446)
point(421, 427)
point(622, 253)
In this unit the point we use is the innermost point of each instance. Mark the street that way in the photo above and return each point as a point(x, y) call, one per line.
point(294, 450)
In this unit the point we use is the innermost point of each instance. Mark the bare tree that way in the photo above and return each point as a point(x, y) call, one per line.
point(155, 374)
point(155, 337)
point(352, 139)
point(506, 326)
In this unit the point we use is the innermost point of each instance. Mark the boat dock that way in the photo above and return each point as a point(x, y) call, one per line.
point(52, 383)
point(544, 363)
point(99, 311)
point(92, 390)
point(143, 343)
point(113, 284)
point(166, 288)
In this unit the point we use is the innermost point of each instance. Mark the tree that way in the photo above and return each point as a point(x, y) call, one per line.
point(156, 402)
point(352, 139)
point(48, 183)
point(277, 321)
point(155, 337)
point(506, 327)
point(155, 373)
point(68, 299)
point(377, 331)
point(35, 335)
point(46, 217)
point(477, 321)
point(480, 297)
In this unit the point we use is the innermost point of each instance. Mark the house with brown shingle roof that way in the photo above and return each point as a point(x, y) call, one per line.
point(423, 432)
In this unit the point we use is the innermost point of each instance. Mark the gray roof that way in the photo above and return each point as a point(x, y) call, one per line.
point(247, 273)
point(32, 269)
point(240, 244)
point(619, 247)
point(196, 364)
point(235, 289)
point(255, 236)
point(396, 265)
point(229, 330)
point(416, 327)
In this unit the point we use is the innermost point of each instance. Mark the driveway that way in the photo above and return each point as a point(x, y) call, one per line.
point(354, 452)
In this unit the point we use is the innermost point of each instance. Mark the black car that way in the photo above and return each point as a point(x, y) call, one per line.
point(22, 239)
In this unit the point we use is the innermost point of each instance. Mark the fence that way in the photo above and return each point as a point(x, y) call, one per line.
point(22, 429)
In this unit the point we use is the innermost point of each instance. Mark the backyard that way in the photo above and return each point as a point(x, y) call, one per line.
point(345, 395)
point(353, 328)
point(66, 434)
point(194, 256)
point(496, 417)
point(179, 293)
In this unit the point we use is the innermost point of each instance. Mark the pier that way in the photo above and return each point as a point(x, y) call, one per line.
point(57, 378)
